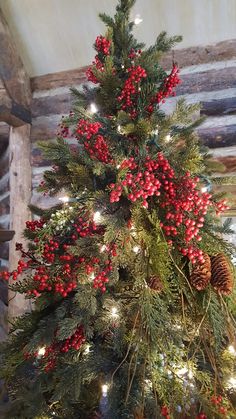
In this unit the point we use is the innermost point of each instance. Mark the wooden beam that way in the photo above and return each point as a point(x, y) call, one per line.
point(20, 187)
point(216, 107)
point(207, 81)
point(218, 136)
point(59, 79)
point(6, 235)
point(15, 91)
point(220, 51)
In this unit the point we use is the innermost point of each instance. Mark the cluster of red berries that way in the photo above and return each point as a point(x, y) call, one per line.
point(219, 402)
point(102, 45)
point(87, 129)
point(102, 278)
point(63, 130)
point(221, 206)
point(43, 187)
point(86, 227)
point(35, 225)
point(49, 250)
point(63, 283)
point(166, 90)
point(185, 208)
point(75, 341)
point(66, 277)
point(21, 266)
point(50, 356)
point(183, 204)
point(94, 143)
point(165, 412)
point(99, 149)
point(90, 74)
point(222, 410)
point(130, 91)
point(142, 184)
point(134, 53)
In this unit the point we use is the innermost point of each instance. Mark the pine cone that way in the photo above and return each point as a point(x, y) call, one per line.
point(221, 275)
point(201, 274)
point(154, 282)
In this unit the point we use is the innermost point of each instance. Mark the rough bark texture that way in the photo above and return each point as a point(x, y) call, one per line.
point(15, 91)
point(20, 186)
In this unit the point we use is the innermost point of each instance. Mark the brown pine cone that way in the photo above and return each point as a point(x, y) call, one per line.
point(201, 274)
point(221, 274)
point(154, 282)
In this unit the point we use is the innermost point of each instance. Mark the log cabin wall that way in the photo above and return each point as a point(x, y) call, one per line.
point(4, 224)
point(208, 76)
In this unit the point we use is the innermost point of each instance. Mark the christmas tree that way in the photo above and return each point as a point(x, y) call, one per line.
point(131, 279)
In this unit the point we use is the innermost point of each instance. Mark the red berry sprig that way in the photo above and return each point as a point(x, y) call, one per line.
point(52, 352)
point(90, 72)
point(221, 206)
point(167, 88)
point(52, 252)
point(35, 225)
point(102, 45)
point(165, 412)
point(95, 144)
point(134, 53)
point(75, 341)
point(130, 91)
point(220, 403)
point(141, 184)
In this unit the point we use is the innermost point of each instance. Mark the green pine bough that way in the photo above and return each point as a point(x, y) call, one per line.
point(131, 279)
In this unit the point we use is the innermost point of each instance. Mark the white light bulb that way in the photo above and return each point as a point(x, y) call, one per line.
point(87, 349)
point(92, 276)
point(136, 249)
point(182, 371)
point(231, 350)
point(122, 66)
point(190, 375)
point(156, 131)
point(41, 351)
point(133, 232)
point(118, 166)
point(64, 199)
point(93, 108)
point(97, 216)
point(167, 138)
point(204, 189)
point(137, 20)
point(148, 383)
point(114, 311)
point(119, 128)
point(232, 382)
point(177, 326)
point(103, 248)
point(104, 389)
